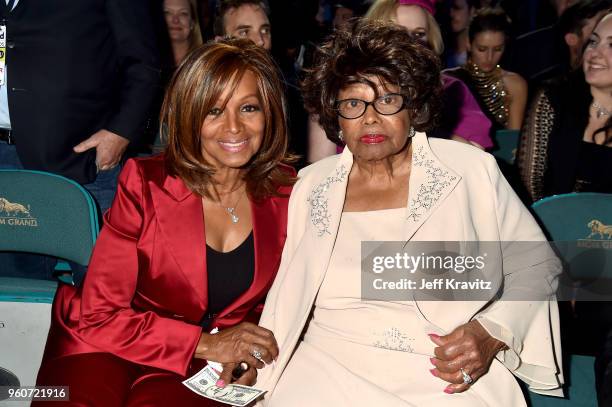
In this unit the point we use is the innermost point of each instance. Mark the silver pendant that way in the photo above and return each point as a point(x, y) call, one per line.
point(234, 217)
point(600, 110)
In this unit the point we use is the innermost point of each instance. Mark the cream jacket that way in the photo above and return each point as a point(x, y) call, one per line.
point(456, 193)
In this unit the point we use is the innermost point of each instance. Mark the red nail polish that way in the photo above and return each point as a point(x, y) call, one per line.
point(432, 361)
point(434, 336)
point(448, 390)
point(433, 372)
point(220, 383)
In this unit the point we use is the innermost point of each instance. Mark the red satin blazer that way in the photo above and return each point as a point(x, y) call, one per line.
point(145, 289)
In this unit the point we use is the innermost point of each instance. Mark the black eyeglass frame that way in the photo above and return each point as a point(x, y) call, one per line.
point(373, 103)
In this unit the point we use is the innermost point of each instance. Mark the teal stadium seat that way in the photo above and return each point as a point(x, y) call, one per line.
point(505, 145)
point(580, 224)
point(45, 214)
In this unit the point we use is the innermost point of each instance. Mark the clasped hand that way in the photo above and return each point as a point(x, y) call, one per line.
point(468, 347)
point(237, 344)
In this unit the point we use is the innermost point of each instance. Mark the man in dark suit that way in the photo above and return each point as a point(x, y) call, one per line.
point(79, 81)
point(81, 76)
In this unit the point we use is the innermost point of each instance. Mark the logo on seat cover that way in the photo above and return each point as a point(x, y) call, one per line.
point(598, 228)
point(16, 214)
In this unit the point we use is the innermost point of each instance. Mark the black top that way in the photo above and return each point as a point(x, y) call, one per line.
point(229, 275)
point(570, 99)
point(593, 172)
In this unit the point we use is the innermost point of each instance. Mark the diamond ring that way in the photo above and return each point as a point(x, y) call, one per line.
point(257, 354)
point(467, 379)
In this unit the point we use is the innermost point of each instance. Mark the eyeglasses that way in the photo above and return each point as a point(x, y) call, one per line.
point(388, 104)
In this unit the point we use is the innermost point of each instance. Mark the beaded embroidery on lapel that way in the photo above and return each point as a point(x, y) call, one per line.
point(430, 191)
point(319, 215)
point(394, 339)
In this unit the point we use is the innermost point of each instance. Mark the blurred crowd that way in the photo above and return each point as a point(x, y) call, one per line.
point(507, 65)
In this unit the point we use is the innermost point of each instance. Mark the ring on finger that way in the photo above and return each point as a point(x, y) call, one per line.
point(467, 379)
point(256, 353)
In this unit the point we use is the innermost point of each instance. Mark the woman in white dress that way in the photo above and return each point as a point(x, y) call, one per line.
point(378, 90)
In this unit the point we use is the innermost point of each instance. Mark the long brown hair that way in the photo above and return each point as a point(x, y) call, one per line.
point(195, 89)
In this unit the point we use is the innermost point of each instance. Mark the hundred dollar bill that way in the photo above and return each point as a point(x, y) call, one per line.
point(204, 383)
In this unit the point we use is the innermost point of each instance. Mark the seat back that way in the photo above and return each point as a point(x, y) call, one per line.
point(580, 224)
point(506, 143)
point(46, 214)
point(576, 223)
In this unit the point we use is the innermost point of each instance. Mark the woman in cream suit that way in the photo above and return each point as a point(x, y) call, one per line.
point(378, 90)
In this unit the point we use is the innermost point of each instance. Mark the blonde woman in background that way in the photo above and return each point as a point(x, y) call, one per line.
point(414, 15)
point(183, 27)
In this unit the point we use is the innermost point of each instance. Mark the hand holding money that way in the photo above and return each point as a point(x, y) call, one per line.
point(245, 342)
point(204, 383)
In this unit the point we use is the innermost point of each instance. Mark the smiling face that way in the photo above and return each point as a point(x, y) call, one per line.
point(414, 19)
point(249, 21)
point(374, 136)
point(178, 19)
point(233, 134)
point(487, 49)
point(597, 56)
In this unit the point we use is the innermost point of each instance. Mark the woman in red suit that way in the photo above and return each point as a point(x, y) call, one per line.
point(192, 242)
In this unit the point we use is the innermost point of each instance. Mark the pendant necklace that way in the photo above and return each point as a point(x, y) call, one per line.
point(600, 110)
point(231, 210)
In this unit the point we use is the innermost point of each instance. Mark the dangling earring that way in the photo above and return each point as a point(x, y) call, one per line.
point(411, 132)
point(341, 136)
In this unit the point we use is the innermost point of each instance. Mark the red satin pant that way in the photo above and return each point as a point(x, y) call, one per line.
point(104, 380)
